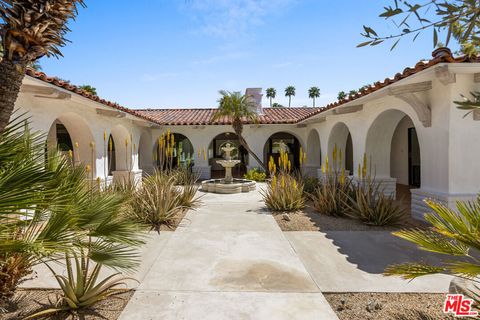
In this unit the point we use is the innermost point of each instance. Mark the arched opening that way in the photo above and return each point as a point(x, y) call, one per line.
point(393, 149)
point(183, 154)
point(111, 156)
point(70, 133)
point(314, 154)
point(145, 156)
point(341, 138)
point(215, 153)
point(123, 148)
point(286, 142)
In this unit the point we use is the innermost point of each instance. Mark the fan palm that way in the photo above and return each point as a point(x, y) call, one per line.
point(313, 93)
point(341, 95)
point(29, 30)
point(238, 108)
point(48, 210)
point(454, 233)
point(271, 94)
point(89, 89)
point(289, 92)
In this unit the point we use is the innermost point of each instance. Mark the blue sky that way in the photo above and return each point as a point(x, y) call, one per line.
point(179, 53)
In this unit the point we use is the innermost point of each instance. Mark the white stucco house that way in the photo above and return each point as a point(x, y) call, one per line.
point(408, 126)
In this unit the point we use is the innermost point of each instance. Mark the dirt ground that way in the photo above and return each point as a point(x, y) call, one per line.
point(30, 301)
point(391, 306)
point(309, 220)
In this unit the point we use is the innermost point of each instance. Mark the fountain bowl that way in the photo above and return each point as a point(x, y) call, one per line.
point(221, 186)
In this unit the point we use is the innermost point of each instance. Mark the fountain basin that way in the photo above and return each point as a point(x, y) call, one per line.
point(236, 186)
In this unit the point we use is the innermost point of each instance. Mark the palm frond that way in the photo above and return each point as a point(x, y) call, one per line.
point(412, 270)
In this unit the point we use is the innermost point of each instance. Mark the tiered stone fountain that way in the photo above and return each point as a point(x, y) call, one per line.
point(228, 184)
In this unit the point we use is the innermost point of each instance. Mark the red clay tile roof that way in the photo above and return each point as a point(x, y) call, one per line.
point(204, 116)
point(271, 115)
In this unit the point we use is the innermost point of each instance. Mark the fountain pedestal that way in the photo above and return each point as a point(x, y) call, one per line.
point(228, 184)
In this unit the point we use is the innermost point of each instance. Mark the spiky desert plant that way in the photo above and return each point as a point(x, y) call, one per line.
point(157, 203)
point(284, 193)
point(454, 232)
point(371, 206)
point(29, 30)
point(238, 108)
point(81, 288)
point(332, 195)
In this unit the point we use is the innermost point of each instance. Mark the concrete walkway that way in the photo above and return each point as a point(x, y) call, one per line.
point(228, 260)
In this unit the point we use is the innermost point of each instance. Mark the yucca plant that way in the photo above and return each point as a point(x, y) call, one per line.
point(453, 233)
point(81, 288)
point(331, 197)
point(157, 203)
point(284, 193)
point(369, 204)
point(29, 30)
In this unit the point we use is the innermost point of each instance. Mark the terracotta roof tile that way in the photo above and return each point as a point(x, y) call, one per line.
point(205, 116)
point(271, 115)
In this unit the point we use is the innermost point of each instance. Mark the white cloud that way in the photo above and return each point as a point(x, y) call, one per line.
point(224, 18)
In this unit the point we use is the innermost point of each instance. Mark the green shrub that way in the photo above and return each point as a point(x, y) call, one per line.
point(284, 193)
point(310, 184)
point(331, 197)
point(371, 206)
point(255, 175)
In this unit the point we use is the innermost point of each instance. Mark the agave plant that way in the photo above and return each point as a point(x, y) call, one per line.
point(81, 288)
point(454, 233)
point(29, 30)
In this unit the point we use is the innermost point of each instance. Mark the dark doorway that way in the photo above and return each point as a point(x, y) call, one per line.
point(413, 158)
point(112, 163)
point(286, 142)
point(349, 155)
point(64, 142)
point(215, 153)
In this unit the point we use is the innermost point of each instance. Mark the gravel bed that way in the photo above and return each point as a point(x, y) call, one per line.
point(394, 306)
point(30, 301)
point(309, 220)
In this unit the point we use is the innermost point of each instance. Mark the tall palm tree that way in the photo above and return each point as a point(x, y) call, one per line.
point(29, 30)
point(238, 108)
point(313, 93)
point(271, 94)
point(88, 89)
point(289, 92)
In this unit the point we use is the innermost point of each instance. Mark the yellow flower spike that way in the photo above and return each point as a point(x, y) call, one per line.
point(326, 164)
point(289, 165)
point(294, 184)
point(70, 154)
point(359, 171)
point(342, 177)
point(323, 169)
point(126, 142)
point(364, 169)
point(134, 147)
point(76, 145)
point(274, 182)
point(110, 144)
point(305, 157)
point(104, 135)
point(92, 144)
point(334, 155)
point(199, 154)
point(88, 168)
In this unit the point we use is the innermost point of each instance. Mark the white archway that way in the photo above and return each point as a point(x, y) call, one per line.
point(123, 148)
point(314, 149)
point(340, 136)
point(76, 136)
point(145, 155)
point(393, 148)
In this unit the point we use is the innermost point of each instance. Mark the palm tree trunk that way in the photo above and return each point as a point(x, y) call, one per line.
point(314, 102)
point(11, 77)
point(270, 102)
point(238, 128)
point(289, 101)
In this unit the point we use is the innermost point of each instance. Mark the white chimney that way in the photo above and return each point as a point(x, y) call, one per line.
point(256, 95)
